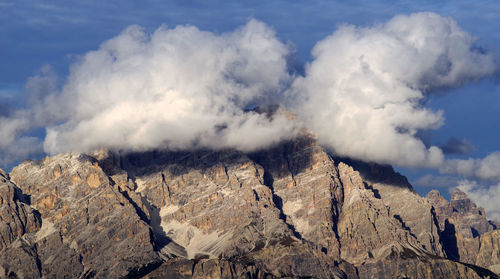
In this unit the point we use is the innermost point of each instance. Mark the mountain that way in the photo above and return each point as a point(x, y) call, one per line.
point(292, 211)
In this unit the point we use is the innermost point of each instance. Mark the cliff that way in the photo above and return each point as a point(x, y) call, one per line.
point(292, 211)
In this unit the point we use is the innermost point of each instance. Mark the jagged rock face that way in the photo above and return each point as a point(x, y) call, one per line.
point(306, 187)
point(388, 231)
point(366, 226)
point(208, 209)
point(228, 204)
point(412, 212)
point(489, 252)
point(288, 212)
point(86, 221)
point(462, 223)
point(16, 216)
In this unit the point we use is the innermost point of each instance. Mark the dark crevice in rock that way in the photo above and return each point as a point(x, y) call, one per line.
point(19, 196)
point(88, 274)
point(138, 210)
point(193, 266)
point(160, 237)
point(474, 232)
point(375, 192)
point(38, 262)
point(278, 202)
point(336, 207)
point(403, 225)
point(449, 241)
point(140, 272)
point(435, 223)
point(493, 224)
point(268, 179)
point(481, 271)
point(256, 195)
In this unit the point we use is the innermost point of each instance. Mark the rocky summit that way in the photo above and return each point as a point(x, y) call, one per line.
point(292, 211)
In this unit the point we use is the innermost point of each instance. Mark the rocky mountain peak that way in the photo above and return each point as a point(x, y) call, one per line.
point(458, 195)
point(3, 174)
point(439, 202)
point(463, 225)
point(434, 195)
point(461, 203)
point(291, 211)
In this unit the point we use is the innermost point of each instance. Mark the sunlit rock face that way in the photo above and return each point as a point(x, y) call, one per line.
point(466, 233)
point(16, 216)
point(291, 211)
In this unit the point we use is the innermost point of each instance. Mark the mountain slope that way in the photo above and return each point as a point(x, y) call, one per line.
point(289, 211)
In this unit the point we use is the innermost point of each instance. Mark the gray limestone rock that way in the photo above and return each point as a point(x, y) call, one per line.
point(292, 211)
point(462, 224)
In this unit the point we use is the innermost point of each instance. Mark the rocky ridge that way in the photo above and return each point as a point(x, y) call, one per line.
point(293, 211)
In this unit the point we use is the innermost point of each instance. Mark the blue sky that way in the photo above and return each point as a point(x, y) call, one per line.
point(57, 33)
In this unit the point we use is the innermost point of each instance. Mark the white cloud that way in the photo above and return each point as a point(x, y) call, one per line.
point(363, 91)
point(183, 88)
point(10, 128)
point(176, 88)
point(487, 168)
point(18, 138)
point(41, 85)
point(22, 148)
point(15, 144)
point(485, 196)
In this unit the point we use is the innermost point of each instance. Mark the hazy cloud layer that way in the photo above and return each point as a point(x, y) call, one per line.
point(177, 88)
point(363, 92)
point(485, 196)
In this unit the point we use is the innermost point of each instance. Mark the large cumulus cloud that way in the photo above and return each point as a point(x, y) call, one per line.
point(363, 92)
point(177, 88)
